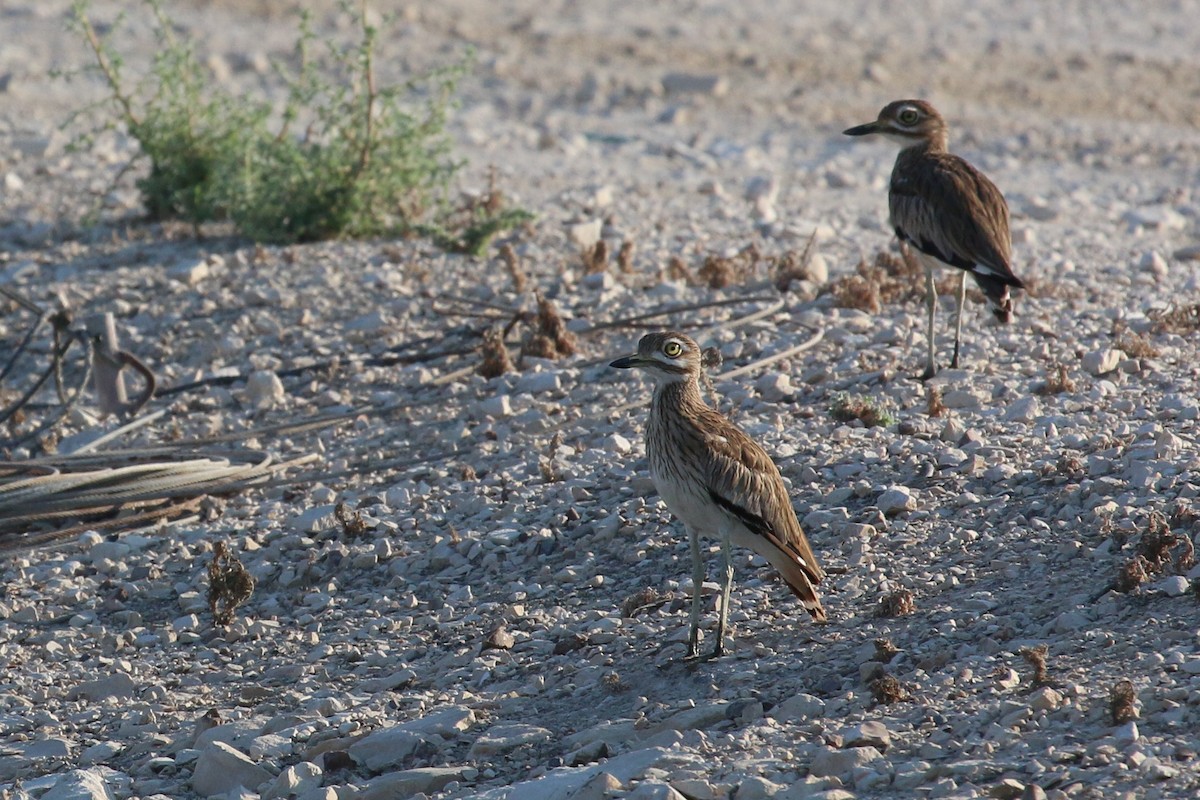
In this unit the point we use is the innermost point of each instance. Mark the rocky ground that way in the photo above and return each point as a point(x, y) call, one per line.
point(511, 622)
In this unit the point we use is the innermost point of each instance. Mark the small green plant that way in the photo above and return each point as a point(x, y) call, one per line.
point(872, 412)
point(345, 157)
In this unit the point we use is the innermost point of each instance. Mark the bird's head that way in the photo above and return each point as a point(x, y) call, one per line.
point(908, 123)
point(668, 356)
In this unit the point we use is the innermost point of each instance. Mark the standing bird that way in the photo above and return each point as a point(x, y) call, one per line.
point(947, 210)
point(717, 480)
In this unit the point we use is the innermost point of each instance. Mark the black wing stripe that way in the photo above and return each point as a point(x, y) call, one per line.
point(753, 522)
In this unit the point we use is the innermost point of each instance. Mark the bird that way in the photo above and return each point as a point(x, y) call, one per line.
point(718, 481)
point(946, 210)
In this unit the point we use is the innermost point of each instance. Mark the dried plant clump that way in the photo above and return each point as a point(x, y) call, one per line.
point(1132, 575)
point(640, 601)
point(890, 278)
point(595, 258)
point(1158, 548)
point(512, 263)
point(1058, 382)
point(1180, 319)
point(870, 411)
point(677, 269)
point(1121, 699)
point(495, 354)
point(857, 291)
point(899, 603)
point(551, 338)
point(546, 464)
point(229, 584)
point(948, 284)
point(793, 266)
point(611, 682)
point(718, 272)
point(1183, 515)
point(1036, 658)
point(887, 689)
point(885, 650)
point(934, 406)
point(352, 522)
point(1137, 345)
point(711, 359)
point(625, 257)
point(1186, 559)
point(1069, 464)
point(1157, 542)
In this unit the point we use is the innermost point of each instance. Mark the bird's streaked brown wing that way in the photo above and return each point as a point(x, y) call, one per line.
point(948, 209)
point(744, 480)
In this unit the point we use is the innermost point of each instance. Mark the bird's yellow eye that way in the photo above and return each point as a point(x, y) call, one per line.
point(909, 116)
point(672, 349)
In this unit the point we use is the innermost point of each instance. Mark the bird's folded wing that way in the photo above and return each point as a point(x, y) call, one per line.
point(955, 214)
point(744, 481)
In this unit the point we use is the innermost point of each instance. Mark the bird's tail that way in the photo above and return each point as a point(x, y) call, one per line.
point(796, 575)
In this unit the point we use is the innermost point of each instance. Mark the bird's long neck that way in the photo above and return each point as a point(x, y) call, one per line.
point(683, 395)
point(929, 145)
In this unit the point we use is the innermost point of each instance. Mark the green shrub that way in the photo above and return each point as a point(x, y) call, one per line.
point(369, 160)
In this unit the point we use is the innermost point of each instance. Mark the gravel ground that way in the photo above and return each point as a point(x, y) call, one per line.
point(511, 623)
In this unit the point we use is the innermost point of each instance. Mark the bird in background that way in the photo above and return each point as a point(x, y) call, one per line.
point(947, 211)
point(717, 480)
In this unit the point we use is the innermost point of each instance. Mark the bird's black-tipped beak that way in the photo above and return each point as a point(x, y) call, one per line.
point(862, 130)
point(627, 362)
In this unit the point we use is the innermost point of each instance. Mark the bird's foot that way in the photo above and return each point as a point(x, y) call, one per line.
point(929, 372)
point(700, 658)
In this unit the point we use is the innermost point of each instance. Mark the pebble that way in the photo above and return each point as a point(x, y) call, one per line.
point(189, 271)
point(1173, 586)
point(960, 399)
point(95, 783)
point(496, 406)
point(871, 733)
point(264, 389)
point(538, 383)
point(774, 386)
point(756, 788)
point(221, 768)
point(294, 780)
point(1102, 361)
point(1127, 734)
point(584, 235)
point(1045, 699)
point(1025, 409)
point(411, 782)
point(386, 748)
point(896, 500)
point(694, 83)
point(508, 736)
point(1155, 217)
point(1153, 262)
point(115, 686)
point(840, 763)
point(799, 708)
